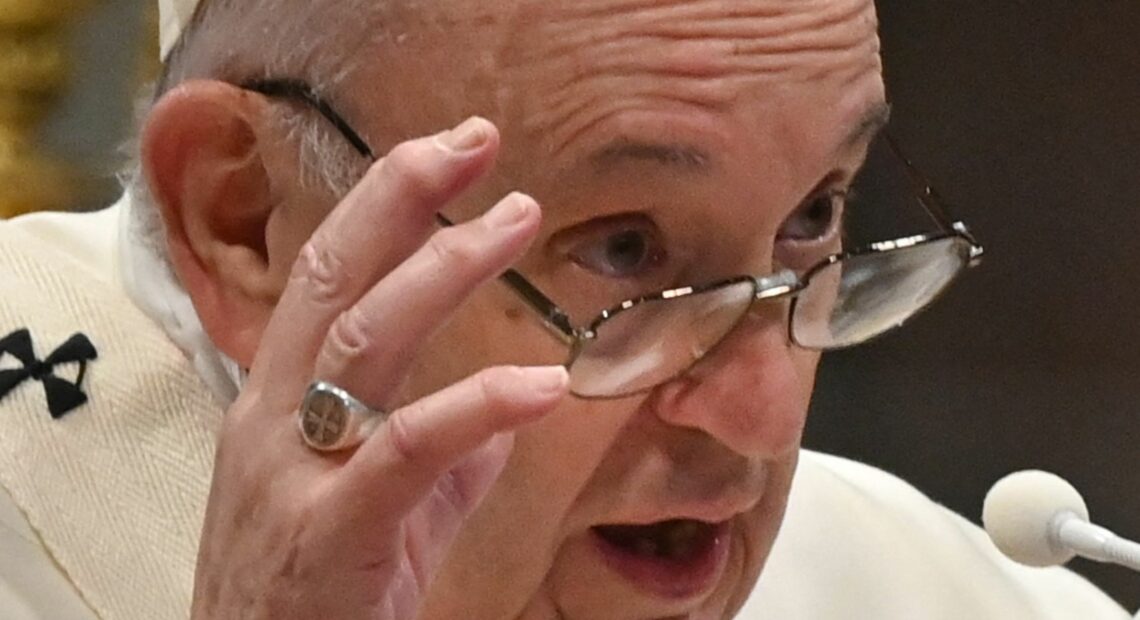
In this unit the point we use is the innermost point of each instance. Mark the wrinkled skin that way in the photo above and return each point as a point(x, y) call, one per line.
point(740, 113)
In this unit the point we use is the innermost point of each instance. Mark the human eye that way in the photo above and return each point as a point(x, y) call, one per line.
point(817, 220)
point(622, 247)
point(812, 231)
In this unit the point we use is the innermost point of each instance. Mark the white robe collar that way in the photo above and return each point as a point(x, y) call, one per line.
point(149, 282)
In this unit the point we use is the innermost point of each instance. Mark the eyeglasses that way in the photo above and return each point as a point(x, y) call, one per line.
point(844, 300)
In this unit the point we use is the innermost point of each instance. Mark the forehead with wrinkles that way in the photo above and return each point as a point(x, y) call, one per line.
point(706, 54)
point(558, 68)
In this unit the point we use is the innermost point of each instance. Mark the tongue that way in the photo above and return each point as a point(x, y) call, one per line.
point(676, 540)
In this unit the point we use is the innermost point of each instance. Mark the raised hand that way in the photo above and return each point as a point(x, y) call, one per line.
point(291, 532)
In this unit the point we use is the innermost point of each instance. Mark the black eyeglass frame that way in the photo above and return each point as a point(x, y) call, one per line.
point(785, 283)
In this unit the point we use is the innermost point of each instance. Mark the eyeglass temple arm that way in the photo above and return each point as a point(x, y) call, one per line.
point(536, 299)
point(931, 201)
point(298, 89)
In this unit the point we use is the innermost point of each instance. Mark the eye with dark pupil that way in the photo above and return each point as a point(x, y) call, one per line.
point(813, 220)
point(626, 250)
point(616, 248)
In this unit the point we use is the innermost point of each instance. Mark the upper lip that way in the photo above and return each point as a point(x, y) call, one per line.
point(714, 511)
point(702, 493)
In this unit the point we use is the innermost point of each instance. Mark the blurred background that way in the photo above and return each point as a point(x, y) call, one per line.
point(1025, 114)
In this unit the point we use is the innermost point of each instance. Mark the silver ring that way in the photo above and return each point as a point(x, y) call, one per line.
point(331, 419)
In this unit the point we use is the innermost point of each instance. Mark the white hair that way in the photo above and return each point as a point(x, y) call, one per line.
point(238, 40)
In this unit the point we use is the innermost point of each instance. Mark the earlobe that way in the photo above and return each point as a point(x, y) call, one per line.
point(202, 156)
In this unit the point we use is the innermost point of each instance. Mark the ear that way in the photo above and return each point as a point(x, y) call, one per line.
point(203, 153)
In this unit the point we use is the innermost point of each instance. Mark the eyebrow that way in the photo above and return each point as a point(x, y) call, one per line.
point(679, 156)
point(871, 123)
point(691, 159)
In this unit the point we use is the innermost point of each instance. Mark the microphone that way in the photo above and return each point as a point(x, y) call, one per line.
point(1038, 519)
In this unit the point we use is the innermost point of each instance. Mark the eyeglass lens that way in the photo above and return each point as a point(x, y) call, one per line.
point(655, 341)
point(863, 296)
point(845, 303)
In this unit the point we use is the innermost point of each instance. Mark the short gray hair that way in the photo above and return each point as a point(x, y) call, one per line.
point(238, 40)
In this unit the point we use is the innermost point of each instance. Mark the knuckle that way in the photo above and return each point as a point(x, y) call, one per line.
point(453, 248)
point(401, 438)
point(321, 272)
point(349, 337)
point(455, 494)
point(415, 169)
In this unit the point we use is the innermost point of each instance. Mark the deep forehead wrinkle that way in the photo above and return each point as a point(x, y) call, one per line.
point(688, 158)
point(705, 38)
point(704, 54)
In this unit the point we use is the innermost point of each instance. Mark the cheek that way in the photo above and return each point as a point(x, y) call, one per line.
point(804, 364)
point(524, 523)
point(555, 469)
point(491, 328)
point(759, 532)
point(794, 395)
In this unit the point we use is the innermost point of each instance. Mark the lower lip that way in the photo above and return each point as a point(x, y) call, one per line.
point(671, 579)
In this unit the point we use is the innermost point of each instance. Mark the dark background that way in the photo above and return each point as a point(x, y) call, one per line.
point(1026, 116)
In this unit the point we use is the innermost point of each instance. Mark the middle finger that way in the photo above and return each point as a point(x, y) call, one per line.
point(370, 346)
point(378, 225)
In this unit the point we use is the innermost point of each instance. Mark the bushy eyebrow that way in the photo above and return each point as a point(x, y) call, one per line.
point(871, 123)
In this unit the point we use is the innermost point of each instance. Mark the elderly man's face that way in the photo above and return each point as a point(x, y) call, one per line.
point(669, 143)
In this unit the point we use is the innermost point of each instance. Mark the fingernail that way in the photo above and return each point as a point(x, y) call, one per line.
point(468, 136)
point(548, 379)
point(510, 211)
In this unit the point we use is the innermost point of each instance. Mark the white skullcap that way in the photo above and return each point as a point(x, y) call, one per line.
point(173, 17)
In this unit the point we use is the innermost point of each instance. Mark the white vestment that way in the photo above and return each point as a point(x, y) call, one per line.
point(100, 511)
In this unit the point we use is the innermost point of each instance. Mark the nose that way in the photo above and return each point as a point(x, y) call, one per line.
point(751, 393)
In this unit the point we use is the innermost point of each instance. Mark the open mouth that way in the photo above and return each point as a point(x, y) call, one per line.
point(679, 540)
point(679, 558)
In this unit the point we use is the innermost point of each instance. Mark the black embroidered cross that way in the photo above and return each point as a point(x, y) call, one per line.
point(62, 395)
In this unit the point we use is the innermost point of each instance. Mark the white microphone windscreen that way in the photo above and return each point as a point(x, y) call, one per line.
point(1019, 511)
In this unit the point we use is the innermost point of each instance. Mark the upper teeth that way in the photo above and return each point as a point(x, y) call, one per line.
point(673, 540)
point(670, 539)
